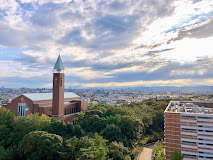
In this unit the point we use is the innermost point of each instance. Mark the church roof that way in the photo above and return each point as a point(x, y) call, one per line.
point(59, 64)
point(47, 96)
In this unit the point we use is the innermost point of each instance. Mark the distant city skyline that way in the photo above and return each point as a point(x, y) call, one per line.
point(107, 43)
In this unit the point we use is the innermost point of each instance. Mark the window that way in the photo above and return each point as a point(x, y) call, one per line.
point(186, 129)
point(61, 81)
point(72, 110)
point(188, 155)
point(65, 112)
point(56, 80)
point(21, 109)
point(188, 116)
point(188, 142)
point(205, 117)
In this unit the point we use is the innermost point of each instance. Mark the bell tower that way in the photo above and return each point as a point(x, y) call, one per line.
point(58, 90)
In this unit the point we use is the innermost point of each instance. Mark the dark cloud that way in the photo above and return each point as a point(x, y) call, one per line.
point(154, 52)
point(74, 36)
point(31, 82)
point(111, 32)
point(46, 16)
point(204, 30)
point(27, 58)
point(114, 24)
point(117, 24)
point(149, 46)
point(110, 23)
point(35, 61)
point(12, 38)
point(163, 72)
point(195, 1)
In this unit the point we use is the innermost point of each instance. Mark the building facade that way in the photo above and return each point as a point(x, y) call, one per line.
point(59, 104)
point(189, 129)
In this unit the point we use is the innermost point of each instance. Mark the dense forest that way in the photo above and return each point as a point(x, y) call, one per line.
point(103, 132)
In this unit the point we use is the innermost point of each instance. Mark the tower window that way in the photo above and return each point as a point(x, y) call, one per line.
point(65, 112)
point(55, 83)
point(61, 81)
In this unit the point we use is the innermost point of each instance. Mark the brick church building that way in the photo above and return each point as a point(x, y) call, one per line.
point(59, 104)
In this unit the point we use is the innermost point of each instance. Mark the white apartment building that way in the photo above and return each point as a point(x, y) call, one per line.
point(189, 129)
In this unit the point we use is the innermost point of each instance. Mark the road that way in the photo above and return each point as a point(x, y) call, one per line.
point(146, 154)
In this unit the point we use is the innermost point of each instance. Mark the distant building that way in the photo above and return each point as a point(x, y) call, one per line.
point(121, 101)
point(189, 129)
point(63, 106)
point(103, 102)
point(94, 102)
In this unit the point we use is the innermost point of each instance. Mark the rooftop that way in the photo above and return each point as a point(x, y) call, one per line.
point(199, 107)
point(47, 96)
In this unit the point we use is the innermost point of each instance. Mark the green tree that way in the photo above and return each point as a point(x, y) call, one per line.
point(117, 151)
point(91, 121)
point(71, 149)
point(27, 124)
point(176, 155)
point(9, 153)
point(112, 133)
point(40, 145)
point(158, 152)
point(2, 153)
point(85, 148)
point(74, 130)
point(132, 128)
point(97, 149)
point(7, 122)
point(57, 127)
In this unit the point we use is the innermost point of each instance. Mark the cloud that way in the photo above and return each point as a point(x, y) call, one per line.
point(108, 42)
point(41, 2)
point(189, 49)
point(201, 30)
point(174, 82)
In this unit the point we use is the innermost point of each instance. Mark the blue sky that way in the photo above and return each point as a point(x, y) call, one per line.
point(113, 43)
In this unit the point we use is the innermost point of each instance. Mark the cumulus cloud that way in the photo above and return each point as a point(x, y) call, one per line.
point(41, 2)
point(109, 41)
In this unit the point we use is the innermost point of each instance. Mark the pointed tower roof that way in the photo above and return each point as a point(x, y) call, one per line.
point(59, 64)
